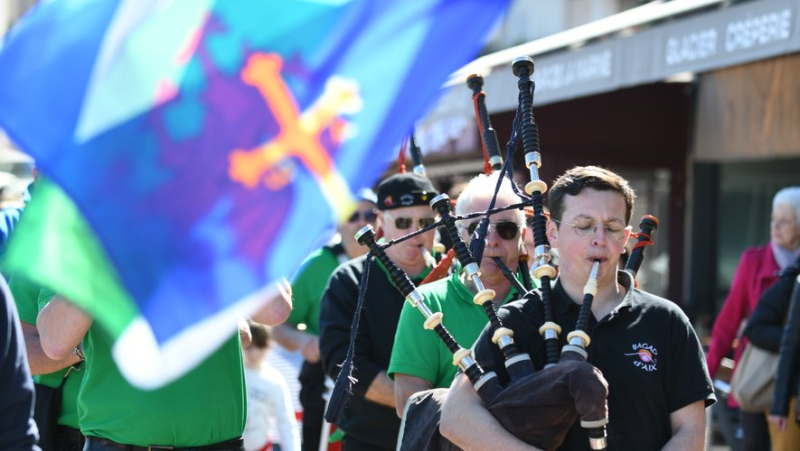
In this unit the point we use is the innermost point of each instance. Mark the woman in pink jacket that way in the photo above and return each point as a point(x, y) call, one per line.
point(756, 272)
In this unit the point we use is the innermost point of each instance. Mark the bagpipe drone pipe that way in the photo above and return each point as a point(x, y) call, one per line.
point(493, 161)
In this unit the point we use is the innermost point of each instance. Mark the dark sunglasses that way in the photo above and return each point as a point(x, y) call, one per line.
point(368, 216)
point(506, 229)
point(405, 223)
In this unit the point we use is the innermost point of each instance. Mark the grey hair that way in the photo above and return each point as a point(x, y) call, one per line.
point(482, 187)
point(789, 196)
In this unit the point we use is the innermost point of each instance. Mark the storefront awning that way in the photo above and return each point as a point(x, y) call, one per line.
point(730, 36)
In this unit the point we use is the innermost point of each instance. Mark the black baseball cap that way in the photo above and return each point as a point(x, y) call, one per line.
point(405, 190)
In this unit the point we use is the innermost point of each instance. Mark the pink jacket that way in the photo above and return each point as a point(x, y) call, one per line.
point(756, 272)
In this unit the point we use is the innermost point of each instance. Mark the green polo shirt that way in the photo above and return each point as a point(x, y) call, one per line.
point(308, 285)
point(205, 406)
point(420, 352)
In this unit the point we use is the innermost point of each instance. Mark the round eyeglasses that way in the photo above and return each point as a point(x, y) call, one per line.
point(587, 228)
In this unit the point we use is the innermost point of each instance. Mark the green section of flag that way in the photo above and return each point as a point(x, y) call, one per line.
point(54, 247)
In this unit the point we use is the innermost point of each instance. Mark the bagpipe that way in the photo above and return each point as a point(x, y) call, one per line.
point(568, 388)
point(416, 156)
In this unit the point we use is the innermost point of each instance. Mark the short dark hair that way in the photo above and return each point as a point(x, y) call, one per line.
point(260, 334)
point(579, 178)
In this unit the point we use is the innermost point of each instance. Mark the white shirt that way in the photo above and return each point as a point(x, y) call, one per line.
point(269, 404)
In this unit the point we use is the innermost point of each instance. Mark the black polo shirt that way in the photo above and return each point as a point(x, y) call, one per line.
point(363, 420)
point(646, 349)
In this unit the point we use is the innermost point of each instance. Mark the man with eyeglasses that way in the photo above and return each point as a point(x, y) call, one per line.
point(420, 360)
point(369, 421)
point(644, 345)
point(308, 286)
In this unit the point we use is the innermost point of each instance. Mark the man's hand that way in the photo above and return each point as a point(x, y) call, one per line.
point(779, 422)
point(244, 332)
point(276, 308)
point(310, 349)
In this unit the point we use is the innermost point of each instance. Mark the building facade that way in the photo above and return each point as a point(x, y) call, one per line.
point(696, 102)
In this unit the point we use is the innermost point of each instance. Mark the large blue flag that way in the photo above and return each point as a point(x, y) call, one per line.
point(209, 145)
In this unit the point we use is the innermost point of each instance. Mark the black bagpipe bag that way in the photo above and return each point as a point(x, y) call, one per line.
point(538, 409)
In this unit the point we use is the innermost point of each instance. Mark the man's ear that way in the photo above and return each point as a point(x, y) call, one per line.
point(379, 226)
point(523, 246)
point(628, 233)
point(552, 233)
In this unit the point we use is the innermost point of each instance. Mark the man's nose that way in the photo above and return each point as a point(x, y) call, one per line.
point(492, 237)
point(599, 234)
point(420, 237)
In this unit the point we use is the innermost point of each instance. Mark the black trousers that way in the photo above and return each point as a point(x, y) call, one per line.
point(312, 387)
point(349, 443)
point(100, 444)
point(728, 420)
point(755, 432)
point(313, 414)
point(67, 439)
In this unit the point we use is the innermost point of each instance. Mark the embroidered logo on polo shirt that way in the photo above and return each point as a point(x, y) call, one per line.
point(645, 356)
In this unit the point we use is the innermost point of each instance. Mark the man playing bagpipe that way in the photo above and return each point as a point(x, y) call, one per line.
point(420, 360)
point(644, 345)
point(369, 421)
